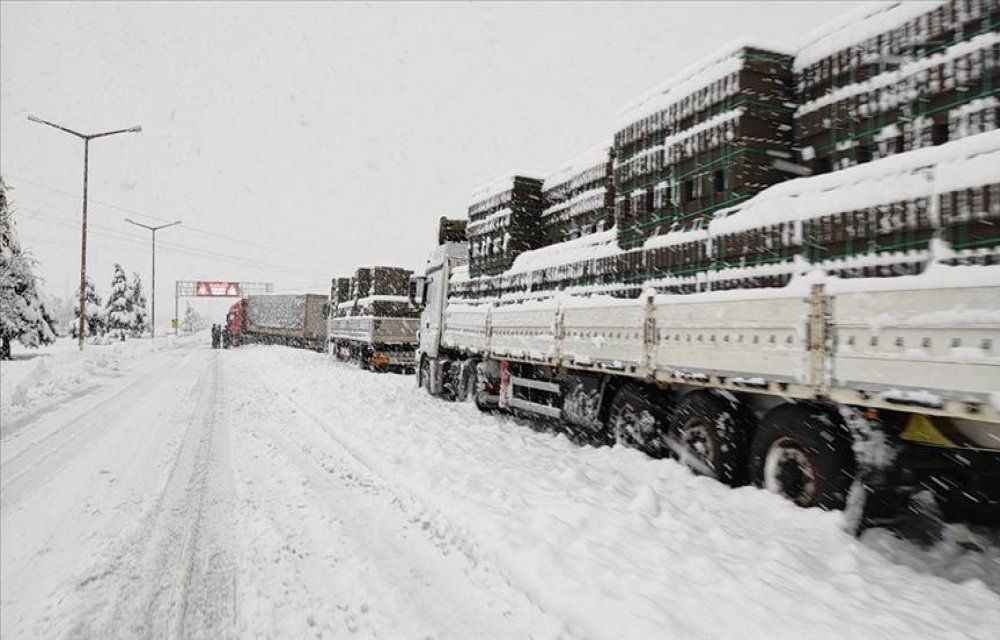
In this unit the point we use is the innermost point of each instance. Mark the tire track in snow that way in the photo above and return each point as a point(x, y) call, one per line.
point(174, 576)
point(368, 503)
point(29, 468)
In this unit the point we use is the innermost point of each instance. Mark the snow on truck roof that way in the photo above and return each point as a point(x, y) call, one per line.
point(961, 164)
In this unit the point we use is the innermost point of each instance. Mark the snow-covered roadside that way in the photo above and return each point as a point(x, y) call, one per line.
point(618, 545)
point(38, 379)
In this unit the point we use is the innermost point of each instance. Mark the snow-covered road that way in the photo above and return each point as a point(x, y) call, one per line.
point(269, 492)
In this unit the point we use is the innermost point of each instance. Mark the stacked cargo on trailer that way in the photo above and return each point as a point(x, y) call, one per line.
point(901, 77)
point(504, 221)
point(579, 197)
point(711, 137)
point(370, 319)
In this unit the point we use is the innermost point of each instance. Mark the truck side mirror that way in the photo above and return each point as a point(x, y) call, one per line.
point(418, 287)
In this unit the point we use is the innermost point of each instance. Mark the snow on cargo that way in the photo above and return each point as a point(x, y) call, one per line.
point(866, 22)
point(277, 311)
point(983, 42)
point(714, 67)
point(500, 186)
point(937, 276)
point(590, 247)
point(899, 177)
point(593, 158)
point(583, 200)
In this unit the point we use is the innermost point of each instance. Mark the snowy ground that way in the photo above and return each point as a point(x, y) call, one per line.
point(153, 489)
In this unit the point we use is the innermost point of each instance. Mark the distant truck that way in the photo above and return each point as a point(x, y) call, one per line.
point(370, 320)
point(297, 320)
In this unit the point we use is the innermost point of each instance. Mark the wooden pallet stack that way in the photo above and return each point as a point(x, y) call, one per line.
point(452, 230)
point(891, 79)
point(897, 77)
point(504, 221)
point(579, 197)
point(341, 301)
point(373, 291)
point(711, 137)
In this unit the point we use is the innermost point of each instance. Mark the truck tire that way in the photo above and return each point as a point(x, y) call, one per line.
point(803, 452)
point(710, 435)
point(460, 381)
point(635, 420)
point(423, 374)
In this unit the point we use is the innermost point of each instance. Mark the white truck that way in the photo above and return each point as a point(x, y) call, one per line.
point(370, 321)
point(870, 387)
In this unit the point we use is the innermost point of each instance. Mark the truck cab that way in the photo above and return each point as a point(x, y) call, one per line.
point(429, 293)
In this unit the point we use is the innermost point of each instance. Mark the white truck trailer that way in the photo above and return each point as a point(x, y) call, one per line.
point(828, 387)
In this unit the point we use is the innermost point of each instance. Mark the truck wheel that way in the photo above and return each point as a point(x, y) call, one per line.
point(803, 452)
point(634, 420)
point(459, 381)
point(709, 435)
point(423, 374)
point(448, 383)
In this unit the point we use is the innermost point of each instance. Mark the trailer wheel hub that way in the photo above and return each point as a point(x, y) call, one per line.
point(790, 471)
point(697, 439)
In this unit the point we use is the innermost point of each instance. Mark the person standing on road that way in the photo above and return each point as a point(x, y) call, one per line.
point(215, 336)
point(226, 338)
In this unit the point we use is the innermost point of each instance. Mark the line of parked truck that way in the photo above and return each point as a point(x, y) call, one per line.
point(827, 329)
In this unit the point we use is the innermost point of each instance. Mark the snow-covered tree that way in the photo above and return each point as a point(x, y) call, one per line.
point(121, 315)
point(96, 319)
point(61, 310)
point(22, 314)
point(141, 323)
point(192, 321)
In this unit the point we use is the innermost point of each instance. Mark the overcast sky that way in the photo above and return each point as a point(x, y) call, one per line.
point(297, 142)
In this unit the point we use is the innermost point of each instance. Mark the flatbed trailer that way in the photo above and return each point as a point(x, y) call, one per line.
point(370, 320)
point(877, 386)
point(375, 342)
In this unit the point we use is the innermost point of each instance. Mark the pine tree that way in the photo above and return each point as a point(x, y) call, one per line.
point(121, 316)
point(96, 320)
point(22, 314)
point(192, 320)
point(139, 306)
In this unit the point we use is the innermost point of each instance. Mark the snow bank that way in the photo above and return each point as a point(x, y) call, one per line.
point(38, 379)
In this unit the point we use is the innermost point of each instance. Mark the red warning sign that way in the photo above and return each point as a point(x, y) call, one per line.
point(218, 289)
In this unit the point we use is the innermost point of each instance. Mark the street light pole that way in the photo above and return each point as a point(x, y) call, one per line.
point(83, 243)
point(152, 322)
